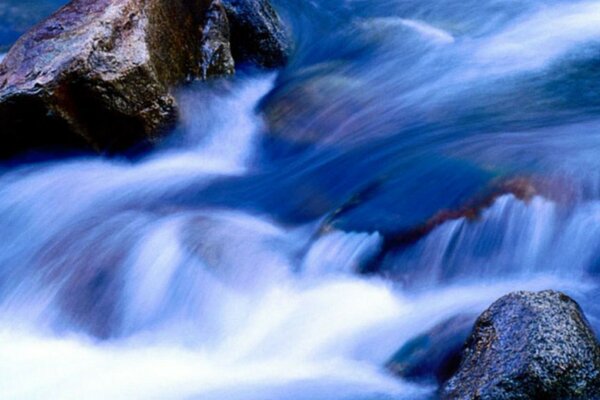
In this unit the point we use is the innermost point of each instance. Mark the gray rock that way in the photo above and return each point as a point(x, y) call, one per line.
point(529, 346)
point(216, 48)
point(258, 35)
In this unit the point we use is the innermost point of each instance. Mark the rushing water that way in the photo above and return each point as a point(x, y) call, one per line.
point(229, 263)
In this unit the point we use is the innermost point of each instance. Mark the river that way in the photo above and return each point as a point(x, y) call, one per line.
point(227, 264)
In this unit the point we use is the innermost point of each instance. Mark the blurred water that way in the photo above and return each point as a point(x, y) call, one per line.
point(229, 263)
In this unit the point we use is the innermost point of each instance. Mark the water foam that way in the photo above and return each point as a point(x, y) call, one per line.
point(535, 41)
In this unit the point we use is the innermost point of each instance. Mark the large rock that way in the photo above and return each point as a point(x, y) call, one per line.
point(98, 72)
point(257, 34)
point(529, 346)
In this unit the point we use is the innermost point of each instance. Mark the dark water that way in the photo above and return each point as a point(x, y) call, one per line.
point(202, 269)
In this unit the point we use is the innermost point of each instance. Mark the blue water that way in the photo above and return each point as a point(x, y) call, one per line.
point(301, 226)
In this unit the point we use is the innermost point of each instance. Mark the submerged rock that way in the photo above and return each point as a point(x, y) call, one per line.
point(529, 346)
point(433, 356)
point(258, 35)
point(313, 112)
point(479, 197)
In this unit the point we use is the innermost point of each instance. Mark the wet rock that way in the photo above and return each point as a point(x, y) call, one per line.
point(433, 356)
point(97, 73)
point(216, 49)
point(462, 190)
point(223, 242)
point(88, 282)
point(258, 35)
point(520, 187)
point(529, 346)
point(478, 197)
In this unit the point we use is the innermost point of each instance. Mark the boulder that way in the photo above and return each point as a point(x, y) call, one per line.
point(97, 73)
point(529, 346)
point(258, 35)
point(16, 16)
point(481, 196)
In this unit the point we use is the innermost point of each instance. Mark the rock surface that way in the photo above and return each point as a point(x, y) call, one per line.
point(258, 35)
point(529, 346)
point(98, 74)
point(216, 58)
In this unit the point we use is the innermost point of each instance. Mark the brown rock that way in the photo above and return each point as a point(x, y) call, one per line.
point(216, 48)
point(97, 73)
point(258, 35)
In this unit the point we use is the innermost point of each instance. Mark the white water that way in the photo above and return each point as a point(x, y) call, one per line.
point(297, 340)
point(216, 303)
point(221, 304)
point(532, 43)
point(512, 239)
point(537, 40)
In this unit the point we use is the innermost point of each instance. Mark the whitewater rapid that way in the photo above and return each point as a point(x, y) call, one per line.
point(248, 309)
point(208, 269)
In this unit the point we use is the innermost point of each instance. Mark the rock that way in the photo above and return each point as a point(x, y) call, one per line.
point(97, 73)
point(257, 34)
point(462, 190)
point(313, 110)
point(521, 188)
point(529, 346)
point(433, 356)
point(216, 48)
point(222, 241)
point(326, 105)
point(465, 194)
